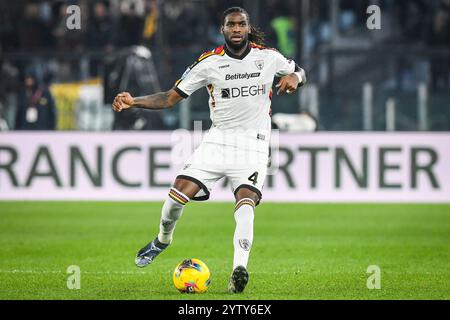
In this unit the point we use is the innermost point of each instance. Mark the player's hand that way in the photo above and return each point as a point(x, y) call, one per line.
point(122, 101)
point(288, 84)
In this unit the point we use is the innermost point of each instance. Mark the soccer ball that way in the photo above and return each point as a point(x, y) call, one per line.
point(192, 276)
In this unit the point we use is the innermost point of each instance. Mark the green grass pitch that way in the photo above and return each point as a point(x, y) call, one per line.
point(300, 251)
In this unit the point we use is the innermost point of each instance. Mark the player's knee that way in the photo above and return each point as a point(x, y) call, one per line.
point(244, 193)
point(186, 187)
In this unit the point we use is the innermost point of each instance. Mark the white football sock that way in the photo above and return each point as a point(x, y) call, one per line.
point(171, 212)
point(243, 234)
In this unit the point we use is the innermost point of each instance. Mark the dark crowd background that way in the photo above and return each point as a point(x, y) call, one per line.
point(328, 38)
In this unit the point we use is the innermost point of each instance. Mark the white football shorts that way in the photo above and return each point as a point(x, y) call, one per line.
point(211, 162)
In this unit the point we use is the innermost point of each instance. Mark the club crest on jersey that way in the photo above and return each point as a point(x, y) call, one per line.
point(259, 64)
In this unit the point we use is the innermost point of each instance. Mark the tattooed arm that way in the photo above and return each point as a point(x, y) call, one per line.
point(157, 101)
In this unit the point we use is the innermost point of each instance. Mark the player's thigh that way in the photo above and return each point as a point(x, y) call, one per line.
point(200, 172)
point(247, 180)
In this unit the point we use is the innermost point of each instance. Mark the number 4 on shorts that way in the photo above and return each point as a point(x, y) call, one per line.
point(254, 178)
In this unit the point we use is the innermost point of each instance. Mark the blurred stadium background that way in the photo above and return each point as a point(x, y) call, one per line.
point(353, 72)
point(370, 126)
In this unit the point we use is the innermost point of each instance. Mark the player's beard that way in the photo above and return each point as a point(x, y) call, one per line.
point(237, 46)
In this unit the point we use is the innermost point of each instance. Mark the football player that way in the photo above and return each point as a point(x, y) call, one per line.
point(238, 76)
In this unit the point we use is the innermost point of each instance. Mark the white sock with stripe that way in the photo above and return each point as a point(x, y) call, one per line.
point(243, 234)
point(171, 212)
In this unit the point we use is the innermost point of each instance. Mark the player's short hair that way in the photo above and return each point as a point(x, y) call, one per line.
point(256, 35)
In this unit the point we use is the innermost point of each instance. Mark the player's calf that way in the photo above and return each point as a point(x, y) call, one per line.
point(171, 212)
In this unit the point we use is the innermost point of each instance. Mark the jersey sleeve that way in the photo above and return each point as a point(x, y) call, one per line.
point(284, 66)
point(194, 78)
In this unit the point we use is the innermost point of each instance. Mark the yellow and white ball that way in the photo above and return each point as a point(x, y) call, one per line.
point(192, 276)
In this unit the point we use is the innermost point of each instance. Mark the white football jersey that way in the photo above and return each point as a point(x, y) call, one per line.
point(240, 90)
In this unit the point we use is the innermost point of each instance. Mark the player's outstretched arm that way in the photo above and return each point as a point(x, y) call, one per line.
point(157, 101)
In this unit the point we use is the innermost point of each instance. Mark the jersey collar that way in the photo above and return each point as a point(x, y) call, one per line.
point(244, 54)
